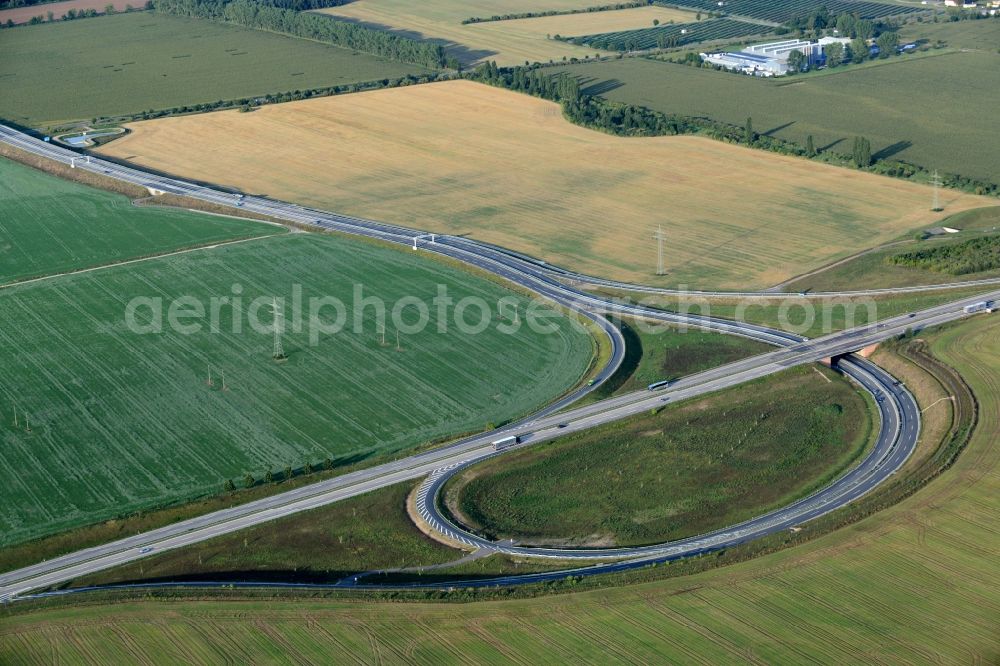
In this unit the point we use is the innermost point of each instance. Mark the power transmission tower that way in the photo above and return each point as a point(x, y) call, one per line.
point(279, 351)
point(660, 237)
point(210, 374)
point(398, 348)
point(936, 182)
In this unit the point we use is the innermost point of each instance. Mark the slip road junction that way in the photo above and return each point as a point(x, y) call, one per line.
point(899, 417)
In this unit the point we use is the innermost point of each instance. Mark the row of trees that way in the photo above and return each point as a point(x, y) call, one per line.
point(266, 15)
point(304, 5)
point(593, 112)
point(972, 256)
point(250, 103)
point(847, 25)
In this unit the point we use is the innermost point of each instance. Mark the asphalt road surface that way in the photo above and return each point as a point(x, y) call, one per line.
point(897, 436)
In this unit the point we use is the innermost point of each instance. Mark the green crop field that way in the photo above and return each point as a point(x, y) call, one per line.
point(50, 225)
point(122, 421)
point(914, 583)
point(690, 468)
point(898, 104)
point(133, 62)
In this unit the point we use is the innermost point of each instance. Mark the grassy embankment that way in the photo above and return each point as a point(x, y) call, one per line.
point(655, 352)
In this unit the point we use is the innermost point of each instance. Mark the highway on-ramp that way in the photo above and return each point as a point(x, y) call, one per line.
point(897, 437)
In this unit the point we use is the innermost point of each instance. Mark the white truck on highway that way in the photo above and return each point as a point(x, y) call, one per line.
point(981, 306)
point(506, 443)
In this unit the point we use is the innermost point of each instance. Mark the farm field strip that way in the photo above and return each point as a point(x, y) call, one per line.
point(684, 33)
point(528, 180)
point(780, 11)
point(133, 62)
point(507, 42)
point(544, 27)
point(122, 421)
point(24, 14)
point(51, 225)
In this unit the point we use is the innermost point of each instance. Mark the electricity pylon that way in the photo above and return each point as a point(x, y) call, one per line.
point(660, 237)
point(279, 351)
point(936, 182)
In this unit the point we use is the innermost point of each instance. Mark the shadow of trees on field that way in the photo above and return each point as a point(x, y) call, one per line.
point(462, 52)
point(595, 87)
point(830, 145)
point(891, 150)
point(774, 130)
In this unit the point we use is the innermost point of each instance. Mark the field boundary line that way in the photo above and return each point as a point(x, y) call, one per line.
point(173, 253)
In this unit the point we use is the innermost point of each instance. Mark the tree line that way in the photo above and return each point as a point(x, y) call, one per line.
point(267, 15)
point(251, 103)
point(972, 256)
point(304, 5)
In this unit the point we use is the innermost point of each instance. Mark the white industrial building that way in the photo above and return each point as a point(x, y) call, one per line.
point(771, 59)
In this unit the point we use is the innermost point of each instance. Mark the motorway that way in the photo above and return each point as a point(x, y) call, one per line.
point(897, 436)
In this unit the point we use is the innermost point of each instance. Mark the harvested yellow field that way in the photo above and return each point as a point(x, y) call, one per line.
point(471, 43)
point(464, 158)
